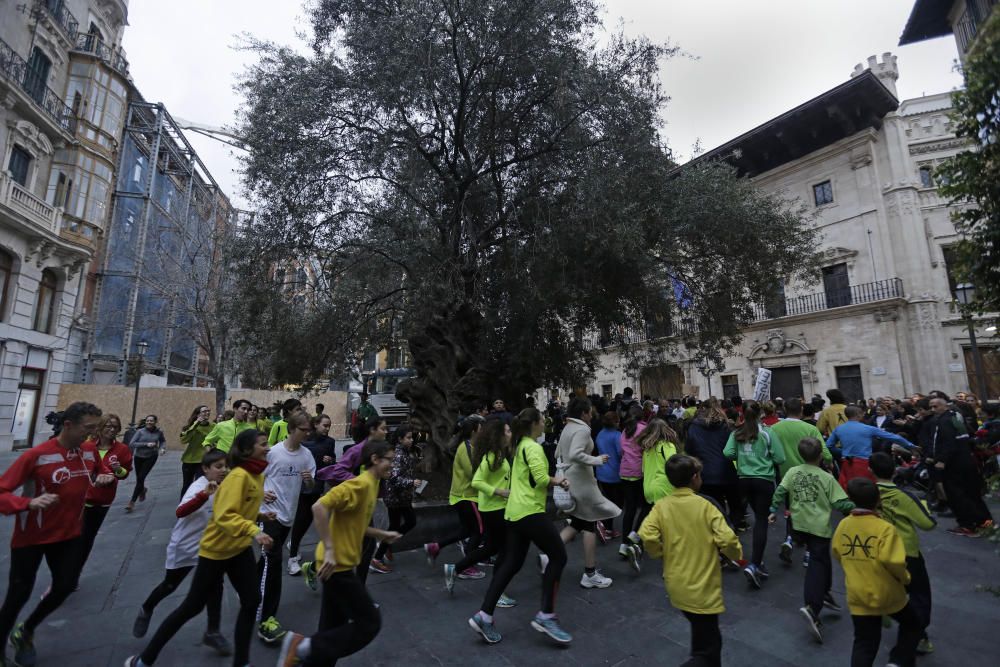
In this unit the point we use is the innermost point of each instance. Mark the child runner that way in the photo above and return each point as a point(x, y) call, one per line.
point(349, 620)
point(117, 458)
point(635, 509)
point(193, 438)
point(491, 461)
point(324, 452)
point(811, 493)
point(874, 561)
point(56, 476)
point(527, 524)
point(906, 513)
point(399, 489)
point(657, 445)
point(146, 444)
point(757, 453)
point(225, 550)
point(609, 443)
point(290, 468)
point(688, 532)
point(463, 498)
point(193, 514)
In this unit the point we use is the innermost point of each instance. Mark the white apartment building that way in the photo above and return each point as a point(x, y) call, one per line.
point(63, 92)
point(884, 319)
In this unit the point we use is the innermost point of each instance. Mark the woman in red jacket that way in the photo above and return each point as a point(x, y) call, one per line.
point(118, 458)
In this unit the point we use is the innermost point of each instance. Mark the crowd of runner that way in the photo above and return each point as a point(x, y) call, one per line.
point(674, 480)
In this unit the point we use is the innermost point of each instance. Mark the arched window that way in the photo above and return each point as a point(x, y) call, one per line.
point(6, 278)
point(45, 306)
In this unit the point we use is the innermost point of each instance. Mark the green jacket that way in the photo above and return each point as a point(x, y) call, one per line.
point(278, 433)
point(486, 481)
point(223, 434)
point(757, 458)
point(461, 476)
point(811, 493)
point(194, 439)
point(790, 432)
point(655, 484)
point(904, 511)
point(529, 481)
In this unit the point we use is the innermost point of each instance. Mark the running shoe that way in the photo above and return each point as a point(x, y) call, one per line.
point(752, 575)
point(830, 603)
point(506, 602)
point(215, 639)
point(964, 532)
point(309, 574)
point(141, 624)
point(762, 571)
point(634, 538)
point(543, 562)
point(814, 624)
point(130, 507)
point(24, 647)
point(602, 533)
point(295, 565)
point(131, 661)
point(634, 557)
point(289, 645)
point(378, 566)
point(786, 551)
point(270, 630)
point(489, 562)
point(985, 525)
point(449, 577)
point(485, 628)
point(550, 626)
point(472, 572)
point(432, 550)
point(595, 580)
point(623, 551)
point(924, 646)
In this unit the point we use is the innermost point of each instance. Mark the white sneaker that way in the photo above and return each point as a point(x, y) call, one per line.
point(595, 580)
point(543, 562)
point(634, 538)
point(295, 566)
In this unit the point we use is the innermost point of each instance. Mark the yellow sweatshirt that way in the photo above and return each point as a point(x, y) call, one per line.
point(234, 515)
point(874, 561)
point(688, 532)
point(351, 505)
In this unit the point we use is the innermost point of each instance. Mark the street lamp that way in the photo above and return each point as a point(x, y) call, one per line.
point(965, 294)
point(141, 348)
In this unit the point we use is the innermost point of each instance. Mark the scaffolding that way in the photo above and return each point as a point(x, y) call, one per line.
point(167, 212)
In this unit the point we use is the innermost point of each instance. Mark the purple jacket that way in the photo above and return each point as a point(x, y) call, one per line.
point(343, 470)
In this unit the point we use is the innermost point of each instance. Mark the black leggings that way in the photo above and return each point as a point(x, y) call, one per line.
point(493, 544)
point(269, 568)
point(93, 518)
point(919, 589)
point(189, 473)
point(401, 520)
point(303, 519)
point(63, 559)
point(706, 640)
point(758, 493)
point(819, 576)
point(142, 468)
point(171, 580)
point(470, 530)
point(537, 529)
point(613, 492)
point(868, 636)
point(348, 620)
point(636, 508)
point(207, 575)
point(728, 497)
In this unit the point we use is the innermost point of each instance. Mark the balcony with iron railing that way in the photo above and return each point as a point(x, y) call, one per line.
point(52, 109)
point(59, 15)
point(833, 297)
point(110, 55)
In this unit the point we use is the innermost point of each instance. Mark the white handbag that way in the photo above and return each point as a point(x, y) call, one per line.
point(562, 497)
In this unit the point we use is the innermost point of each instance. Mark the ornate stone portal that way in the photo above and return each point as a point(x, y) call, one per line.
point(775, 350)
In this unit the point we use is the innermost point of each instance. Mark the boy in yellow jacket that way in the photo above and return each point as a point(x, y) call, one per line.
point(691, 570)
point(874, 561)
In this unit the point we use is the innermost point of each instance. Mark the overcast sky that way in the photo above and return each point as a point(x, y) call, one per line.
point(753, 59)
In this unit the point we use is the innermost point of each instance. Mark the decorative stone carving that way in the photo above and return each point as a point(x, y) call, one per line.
point(28, 136)
point(939, 146)
point(887, 315)
point(840, 255)
point(775, 341)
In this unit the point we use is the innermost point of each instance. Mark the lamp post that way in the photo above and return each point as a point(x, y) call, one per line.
point(965, 294)
point(141, 348)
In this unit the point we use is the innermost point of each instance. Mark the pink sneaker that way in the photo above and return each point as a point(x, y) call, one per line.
point(432, 550)
point(471, 573)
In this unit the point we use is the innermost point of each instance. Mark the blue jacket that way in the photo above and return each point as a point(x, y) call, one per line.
point(855, 439)
point(609, 442)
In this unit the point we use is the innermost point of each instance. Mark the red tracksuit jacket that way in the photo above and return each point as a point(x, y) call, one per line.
point(119, 455)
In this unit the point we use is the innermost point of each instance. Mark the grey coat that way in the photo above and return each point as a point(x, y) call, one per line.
point(575, 447)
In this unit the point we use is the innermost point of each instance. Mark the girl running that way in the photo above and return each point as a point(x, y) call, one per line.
point(491, 461)
point(527, 524)
point(146, 444)
point(193, 514)
point(224, 550)
point(657, 443)
point(117, 458)
point(399, 490)
point(757, 453)
point(324, 451)
point(463, 498)
point(635, 509)
point(193, 438)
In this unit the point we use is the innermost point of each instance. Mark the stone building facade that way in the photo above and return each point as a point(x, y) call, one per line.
point(63, 90)
point(884, 320)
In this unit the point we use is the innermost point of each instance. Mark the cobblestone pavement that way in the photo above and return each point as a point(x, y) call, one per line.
point(630, 623)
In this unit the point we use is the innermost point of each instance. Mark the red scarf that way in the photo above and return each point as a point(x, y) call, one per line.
point(254, 466)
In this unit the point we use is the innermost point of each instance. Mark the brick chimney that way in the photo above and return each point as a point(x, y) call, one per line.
point(886, 71)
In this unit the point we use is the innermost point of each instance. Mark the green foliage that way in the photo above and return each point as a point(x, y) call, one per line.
point(972, 178)
point(487, 181)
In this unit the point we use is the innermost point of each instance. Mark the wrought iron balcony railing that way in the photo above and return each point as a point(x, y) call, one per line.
point(834, 297)
point(15, 68)
point(111, 55)
point(61, 16)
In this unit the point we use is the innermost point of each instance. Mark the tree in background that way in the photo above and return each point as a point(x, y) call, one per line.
point(487, 181)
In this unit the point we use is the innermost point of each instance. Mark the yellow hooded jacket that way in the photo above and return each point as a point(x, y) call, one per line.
point(688, 532)
point(874, 561)
point(234, 515)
